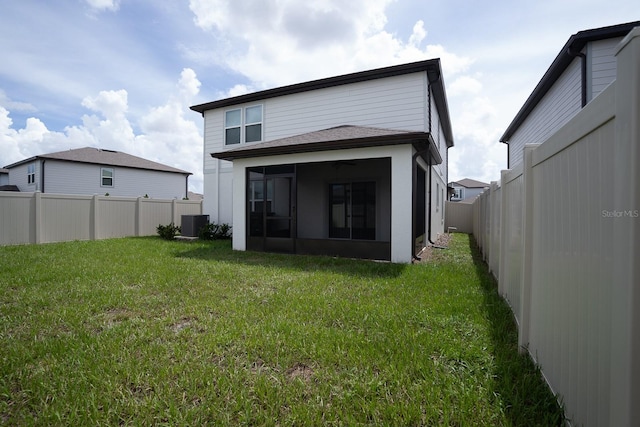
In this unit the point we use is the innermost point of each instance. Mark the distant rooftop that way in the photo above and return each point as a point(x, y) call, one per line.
point(470, 183)
point(101, 156)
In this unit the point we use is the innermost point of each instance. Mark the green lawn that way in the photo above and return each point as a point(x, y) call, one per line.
point(141, 331)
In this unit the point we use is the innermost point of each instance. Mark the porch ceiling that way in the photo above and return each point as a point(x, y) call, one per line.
point(336, 138)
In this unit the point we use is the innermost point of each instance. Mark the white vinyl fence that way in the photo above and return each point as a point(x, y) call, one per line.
point(460, 216)
point(44, 218)
point(561, 233)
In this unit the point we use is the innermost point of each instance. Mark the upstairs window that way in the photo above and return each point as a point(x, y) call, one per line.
point(458, 194)
point(243, 125)
point(232, 126)
point(31, 173)
point(106, 175)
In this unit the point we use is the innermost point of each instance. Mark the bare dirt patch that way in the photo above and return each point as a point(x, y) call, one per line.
point(431, 251)
point(300, 371)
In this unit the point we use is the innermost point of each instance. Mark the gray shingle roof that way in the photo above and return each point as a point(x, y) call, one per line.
point(336, 138)
point(471, 183)
point(104, 157)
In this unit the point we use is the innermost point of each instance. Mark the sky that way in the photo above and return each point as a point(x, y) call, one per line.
point(122, 74)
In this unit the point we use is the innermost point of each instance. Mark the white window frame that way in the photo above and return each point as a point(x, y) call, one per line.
point(244, 123)
point(31, 173)
point(103, 177)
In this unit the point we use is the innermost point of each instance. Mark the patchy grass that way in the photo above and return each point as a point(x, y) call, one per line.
point(142, 331)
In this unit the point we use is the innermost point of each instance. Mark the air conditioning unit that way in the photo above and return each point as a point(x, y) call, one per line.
point(191, 224)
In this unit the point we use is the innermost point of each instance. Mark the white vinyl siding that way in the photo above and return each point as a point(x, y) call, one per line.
point(557, 107)
point(602, 65)
point(79, 178)
point(18, 176)
point(396, 102)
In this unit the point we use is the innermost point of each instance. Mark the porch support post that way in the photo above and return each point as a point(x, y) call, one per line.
point(401, 204)
point(239, 195)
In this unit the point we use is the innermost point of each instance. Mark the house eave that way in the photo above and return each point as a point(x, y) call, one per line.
point(567, 54)
point(422, 142)
point(431, 67)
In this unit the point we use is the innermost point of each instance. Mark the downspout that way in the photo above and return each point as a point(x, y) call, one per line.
point(583, 58)
point(186, 187)
point(42, 176)
point(430, 171)
point(414, 173)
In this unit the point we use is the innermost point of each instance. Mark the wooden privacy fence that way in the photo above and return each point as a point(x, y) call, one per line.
point(561, 233)
point(44, 218)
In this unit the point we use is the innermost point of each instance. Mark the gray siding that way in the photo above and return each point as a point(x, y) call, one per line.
point(602, 63)
point(81, 178)
point(557, 107)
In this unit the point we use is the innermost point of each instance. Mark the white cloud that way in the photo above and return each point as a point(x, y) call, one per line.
point(167, 136)
point(285, 42)
point(100, 5)
point(15, 105)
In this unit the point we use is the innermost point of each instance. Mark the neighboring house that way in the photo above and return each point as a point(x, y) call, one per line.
point(97, 171)
point(466, 189)
point(353, 165)
point(584, 67)
point(4, 177)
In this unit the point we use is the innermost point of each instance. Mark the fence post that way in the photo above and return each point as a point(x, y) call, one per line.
point(94, 218)
point(37, 226)
point(527, 250)
point(625, 283)
point(138, 218)
point(503, 233)
point(174, 212)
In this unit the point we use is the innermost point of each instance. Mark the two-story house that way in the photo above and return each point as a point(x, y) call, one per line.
point(466, 189)
point(353, 165)
point(585, 65)
point(91, 171)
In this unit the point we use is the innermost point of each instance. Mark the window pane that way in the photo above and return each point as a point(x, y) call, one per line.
point(253, 114)
point(339, 211)
point(232, 136)
point(232, 118)
point(363, 206)
point(107, 182)
point(108, 173)
point(253, 133)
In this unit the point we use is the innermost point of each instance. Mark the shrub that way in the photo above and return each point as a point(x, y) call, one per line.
point(213, 231)
point(168, 232)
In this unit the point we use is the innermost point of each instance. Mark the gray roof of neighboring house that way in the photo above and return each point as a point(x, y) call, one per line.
point(104, 157)
point(3, 170)
point(335, 138)
point(470, 183)
point(430, 66)
point(567, 54)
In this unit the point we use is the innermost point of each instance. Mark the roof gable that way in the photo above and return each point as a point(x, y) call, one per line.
point(567, 54)
point(104, 157)
point(430, 66)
